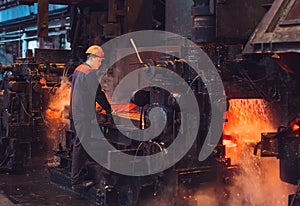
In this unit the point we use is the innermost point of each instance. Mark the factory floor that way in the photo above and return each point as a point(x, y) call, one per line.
point(33, 187)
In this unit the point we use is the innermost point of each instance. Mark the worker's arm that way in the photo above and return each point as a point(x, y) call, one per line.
point(102, 100)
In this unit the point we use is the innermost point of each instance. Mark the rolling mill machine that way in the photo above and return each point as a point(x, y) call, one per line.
point(254, 47)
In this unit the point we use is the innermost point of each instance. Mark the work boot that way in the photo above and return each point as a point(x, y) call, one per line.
point(83, 186)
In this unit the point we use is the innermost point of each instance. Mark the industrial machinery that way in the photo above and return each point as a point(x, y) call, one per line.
point(284, 145)
point(248, 42)
point(185, 176)
point(27, 87)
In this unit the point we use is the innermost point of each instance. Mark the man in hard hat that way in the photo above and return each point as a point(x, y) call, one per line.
point(85, 87)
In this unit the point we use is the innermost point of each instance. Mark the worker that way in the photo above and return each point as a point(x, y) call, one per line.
point(83, 91)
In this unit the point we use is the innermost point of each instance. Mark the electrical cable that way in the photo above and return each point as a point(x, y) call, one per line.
point(25, 111)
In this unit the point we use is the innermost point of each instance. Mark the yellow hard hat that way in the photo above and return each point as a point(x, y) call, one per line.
point(94, 49)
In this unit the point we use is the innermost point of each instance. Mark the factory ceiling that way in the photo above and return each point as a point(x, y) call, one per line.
point(67, 2)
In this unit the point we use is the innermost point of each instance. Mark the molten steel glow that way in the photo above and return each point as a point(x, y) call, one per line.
point(52, 114)
point(55, 120)
point(247, 119)
point(295, 127)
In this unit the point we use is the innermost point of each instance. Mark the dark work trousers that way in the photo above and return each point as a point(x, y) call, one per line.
point(79, 155)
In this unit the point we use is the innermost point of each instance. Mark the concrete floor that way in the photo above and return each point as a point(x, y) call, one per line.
point(33, 188)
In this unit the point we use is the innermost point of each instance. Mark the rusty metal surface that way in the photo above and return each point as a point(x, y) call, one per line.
point(294, 12)
point(178, 16)
point(138, 15)
point(288, 61)
point(236, 19)
point(279, 30)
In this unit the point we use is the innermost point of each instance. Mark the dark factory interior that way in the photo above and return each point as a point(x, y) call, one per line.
point(240, 54)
